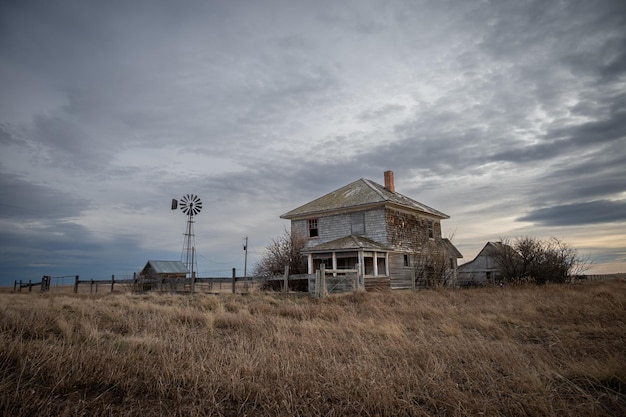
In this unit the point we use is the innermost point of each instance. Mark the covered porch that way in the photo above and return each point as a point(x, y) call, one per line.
point(348, 252)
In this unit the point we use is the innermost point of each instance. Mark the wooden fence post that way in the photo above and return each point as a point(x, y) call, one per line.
point(316, 293)
point(75, 284)
point(14, 285)
point(234, 280)
point(91, 286)
point(134, 282)
point(286, 279)
point(323, 280)
point(112, 282)
point(193, 282)
point(30, 286)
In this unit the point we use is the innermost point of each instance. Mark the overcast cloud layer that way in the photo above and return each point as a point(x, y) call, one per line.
point(509, 116)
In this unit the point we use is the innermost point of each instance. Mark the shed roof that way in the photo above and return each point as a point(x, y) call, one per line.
point(166, 267)
point(347, 243)
point(362, 192)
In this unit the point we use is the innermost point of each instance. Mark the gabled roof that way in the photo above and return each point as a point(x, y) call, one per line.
point(490, 249)
point(493, 248)
point(362, 192)
point(166, 267)
point(451, 248)
point(348, 243)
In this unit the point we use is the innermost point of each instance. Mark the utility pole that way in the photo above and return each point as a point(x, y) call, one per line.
point(245, 262)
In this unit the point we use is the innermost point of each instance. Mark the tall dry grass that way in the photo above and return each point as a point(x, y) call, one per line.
point(552, 350)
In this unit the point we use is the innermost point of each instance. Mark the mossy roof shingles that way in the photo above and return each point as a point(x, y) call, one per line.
point(362, 192)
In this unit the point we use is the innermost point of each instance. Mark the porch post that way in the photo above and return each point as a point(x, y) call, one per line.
point(361, 262)
point(387, 263)
point(335, 263)
point(375, 258)
point(310, 263)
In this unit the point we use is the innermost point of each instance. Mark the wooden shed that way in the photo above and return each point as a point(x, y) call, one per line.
point(483, 269)
point(157, 273)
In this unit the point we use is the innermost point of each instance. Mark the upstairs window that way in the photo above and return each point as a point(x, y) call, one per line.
point(407, 260)
point(357, 223)
point(431, 231)
point(313, 231)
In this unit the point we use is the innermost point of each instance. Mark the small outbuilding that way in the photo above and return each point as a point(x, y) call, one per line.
point(157, 273)
point(483, 269)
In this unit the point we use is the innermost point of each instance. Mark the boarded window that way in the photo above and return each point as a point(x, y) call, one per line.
point(357, 221)
point(313, 231)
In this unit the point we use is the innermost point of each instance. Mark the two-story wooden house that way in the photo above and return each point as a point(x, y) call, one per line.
point(393, 238)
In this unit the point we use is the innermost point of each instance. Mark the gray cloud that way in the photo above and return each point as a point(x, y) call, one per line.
point(109, 109)
point(593, 212)
point(67, 249)
point(25, 201)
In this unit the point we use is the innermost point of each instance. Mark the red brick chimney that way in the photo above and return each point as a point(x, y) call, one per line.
point(389, 181)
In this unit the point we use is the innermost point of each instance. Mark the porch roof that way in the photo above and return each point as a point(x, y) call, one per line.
point(348, 243)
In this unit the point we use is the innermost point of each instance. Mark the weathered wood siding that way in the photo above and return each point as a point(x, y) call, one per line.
point(379, 283)
point(406, 230)
point(400, 275)
point(336, 226)
point(476, 270)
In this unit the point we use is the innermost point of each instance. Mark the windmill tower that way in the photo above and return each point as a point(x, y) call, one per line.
point(191, 205)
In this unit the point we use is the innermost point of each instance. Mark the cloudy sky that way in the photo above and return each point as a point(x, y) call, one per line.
point(509, 116)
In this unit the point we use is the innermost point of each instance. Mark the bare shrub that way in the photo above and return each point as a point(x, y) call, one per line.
point(528, 259)
point(430, 259)
point(283, 250)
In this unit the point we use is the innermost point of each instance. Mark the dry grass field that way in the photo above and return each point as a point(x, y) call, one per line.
point(513, 351)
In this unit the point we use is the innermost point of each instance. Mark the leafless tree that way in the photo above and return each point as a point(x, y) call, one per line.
point(431, 262)
point(283, 250)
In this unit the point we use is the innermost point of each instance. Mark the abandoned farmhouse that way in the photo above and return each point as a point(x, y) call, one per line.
point(393, 239)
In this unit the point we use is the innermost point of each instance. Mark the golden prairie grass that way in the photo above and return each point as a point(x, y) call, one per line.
point(515, 351)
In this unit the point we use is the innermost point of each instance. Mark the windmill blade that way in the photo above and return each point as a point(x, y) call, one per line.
point(190, 204)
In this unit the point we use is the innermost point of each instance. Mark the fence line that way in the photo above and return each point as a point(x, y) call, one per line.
point(340, 280)
point(139, 284)
point(600, 277)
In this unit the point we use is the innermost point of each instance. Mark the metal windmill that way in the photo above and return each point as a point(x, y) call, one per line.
point(191, 205)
